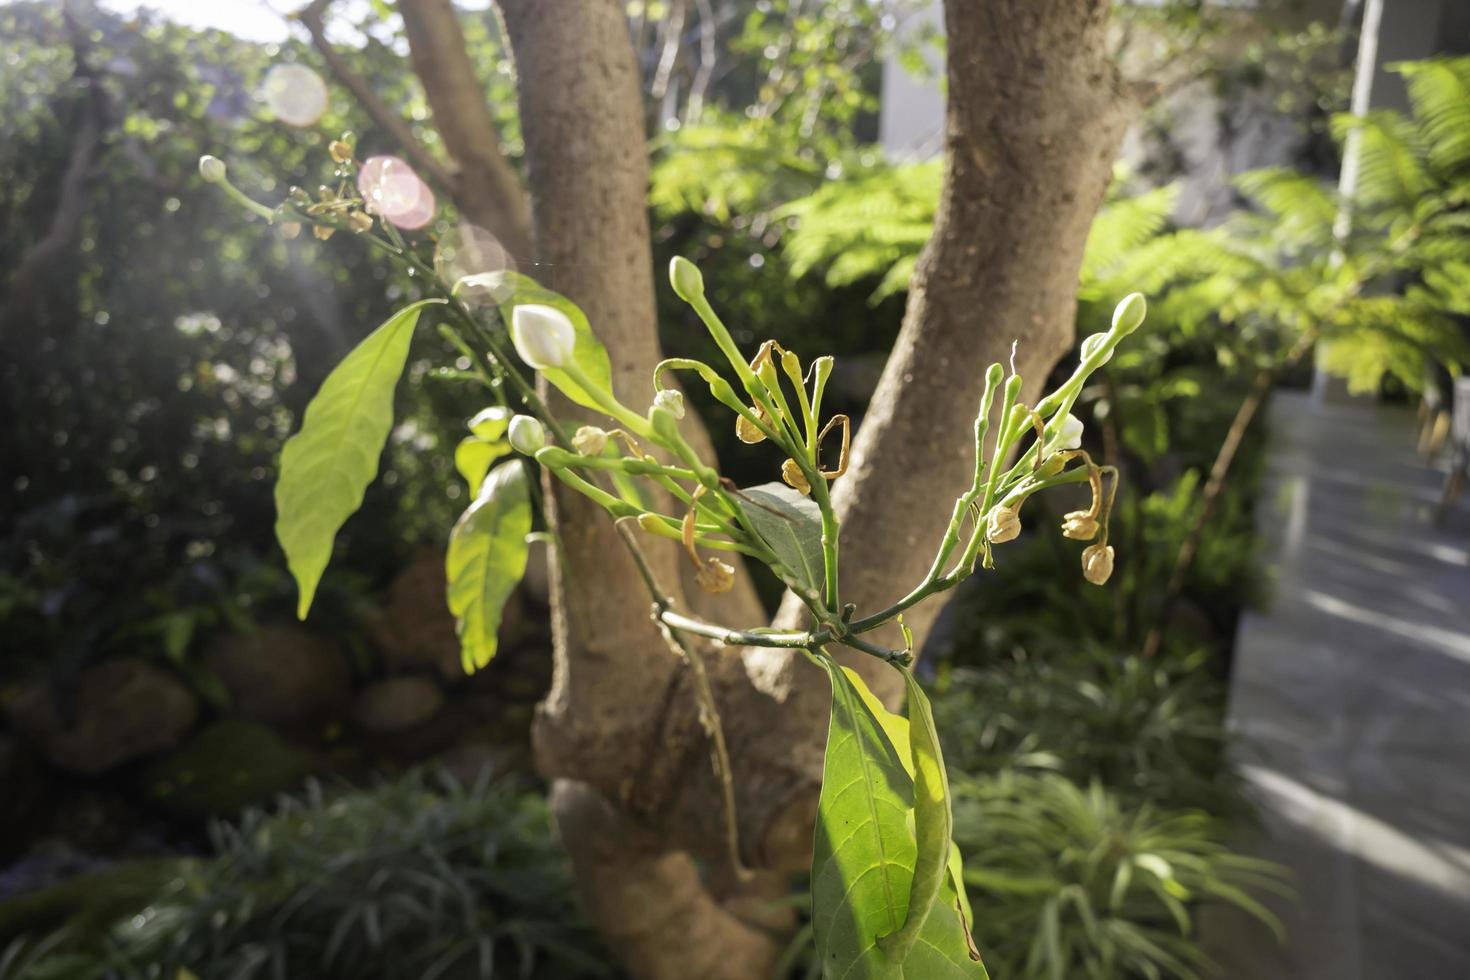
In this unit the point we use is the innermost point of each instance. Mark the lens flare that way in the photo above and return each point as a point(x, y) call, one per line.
point(469, 250)
point(295, 94)
point(390, 188)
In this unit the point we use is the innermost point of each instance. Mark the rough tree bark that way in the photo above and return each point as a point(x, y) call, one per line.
point(618, 727)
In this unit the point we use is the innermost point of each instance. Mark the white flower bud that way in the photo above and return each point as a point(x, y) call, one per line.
point(1067, 435)
point(589, 440)
point(670, 401)
point(543, 335)
point(212, 169)
point(1130, 313)
point(526, 435)
point(1004, 525)
point(1097, 563)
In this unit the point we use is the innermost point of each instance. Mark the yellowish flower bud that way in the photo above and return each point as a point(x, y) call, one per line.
point(340, 151)
point(1097, 563)
point(527, 435)
point(1004, 525)
point(1130, 313)
point(670, 401)
point(360, 221)
point(794, 477)
point(715, 577)
point(747, 431)
point(589, 440)
point(543, 335)
point(322, 231)
point(290, 229)
point(1079, 525)
point(212, 169)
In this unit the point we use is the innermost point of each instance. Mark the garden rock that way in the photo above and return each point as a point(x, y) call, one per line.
point(121, 710)
point(280, 674)
point(397, 704)
point(226, 767)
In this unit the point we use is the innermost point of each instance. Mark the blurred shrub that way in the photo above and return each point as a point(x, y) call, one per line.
point(1148, 729)
point(418, 879)
point(1073, 882)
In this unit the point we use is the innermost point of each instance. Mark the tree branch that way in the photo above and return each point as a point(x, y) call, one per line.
point(312, 18)
point(490, 193)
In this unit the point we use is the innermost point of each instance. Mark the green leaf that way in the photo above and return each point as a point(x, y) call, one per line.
point(790, 523)
point(933, 821)
point(473, 458)
point(512, 289)
point(327, 466)
point(864, 854)
point(487, 557)
point(491, 423)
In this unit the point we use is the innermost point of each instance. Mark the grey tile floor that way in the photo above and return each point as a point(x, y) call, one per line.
point(1350, 705)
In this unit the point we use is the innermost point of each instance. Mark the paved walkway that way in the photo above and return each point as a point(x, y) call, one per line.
point(1350, 705)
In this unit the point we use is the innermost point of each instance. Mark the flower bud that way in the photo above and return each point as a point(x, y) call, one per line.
point(212, 169)
point(1091, 345)
point(322, 232)
point(289, 229)
point(542, 335)
point(589, 440)
point(1004, 525)
point(527, 434)
point(747, 431)
point(340, 150)
point(1130, 313)
point(1097, 563)
point(360, 221)
point(687, 280)
point(794, 477)
point(1079, 525)
point(670, 401)
point(1067, 435)
point(715, 577)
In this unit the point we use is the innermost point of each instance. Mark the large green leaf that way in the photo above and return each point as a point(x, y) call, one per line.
point(487, 557)
point(790, 523)
point(512, 289)
point(864, 854)
point(327, 466)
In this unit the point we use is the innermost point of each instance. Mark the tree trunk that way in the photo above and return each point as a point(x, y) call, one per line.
point(1035, 117)
point(620, 726)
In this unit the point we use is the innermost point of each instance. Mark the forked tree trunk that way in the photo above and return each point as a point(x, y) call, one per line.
point(1036, 114)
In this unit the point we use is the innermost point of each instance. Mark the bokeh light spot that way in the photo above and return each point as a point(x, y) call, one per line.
point(296, 95)
point(389, 187)
point(469, 250)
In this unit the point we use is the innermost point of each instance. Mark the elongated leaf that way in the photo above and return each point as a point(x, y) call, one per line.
point(327, 466)
point(896, 727)
point(864, 854)
point(511, 289)
point(487, 557)
point(473, 458)
point(933, 821)
point(790, 523)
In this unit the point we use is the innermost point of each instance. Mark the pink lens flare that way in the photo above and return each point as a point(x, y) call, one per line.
point(389, 187)
point(469, 250)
